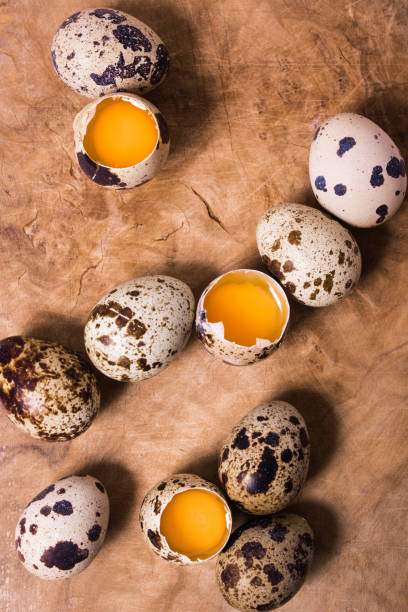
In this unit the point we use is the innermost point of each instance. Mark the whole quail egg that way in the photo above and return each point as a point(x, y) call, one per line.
point(137, 329)
point(46, 389)
point(101, 50)
point(185, 519)
point(263, 463)
point(121, 140)
point(314, 257)
point(63, 527)
point(265, 562)
point(242, 316)
point(356, 170)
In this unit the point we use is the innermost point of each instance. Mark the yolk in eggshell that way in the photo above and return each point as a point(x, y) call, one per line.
point(194, 524)
point(120, 134)
point(248, 306)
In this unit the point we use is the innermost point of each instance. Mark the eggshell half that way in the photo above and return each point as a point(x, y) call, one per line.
point(155, 502)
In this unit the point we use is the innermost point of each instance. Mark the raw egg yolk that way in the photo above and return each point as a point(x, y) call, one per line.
point(249, 308)
point(194, 524)
point(120, 134)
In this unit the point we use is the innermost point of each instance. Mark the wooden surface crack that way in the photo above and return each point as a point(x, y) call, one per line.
point(210, 211)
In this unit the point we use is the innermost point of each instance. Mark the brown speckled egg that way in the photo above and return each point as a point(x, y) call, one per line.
point(212, 334)
point(130, 176)
point(63, 527)
point(137, 329)
point(156, 501)
point(314, 257)
point(264, 462)
point(46, 389)
point(265, 562)
point(101, 50)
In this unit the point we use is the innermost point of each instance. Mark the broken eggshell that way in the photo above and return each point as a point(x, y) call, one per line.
point(131, 176)
point(63, 527)
point(212, 334)
point(154, 504)
point(100, 50)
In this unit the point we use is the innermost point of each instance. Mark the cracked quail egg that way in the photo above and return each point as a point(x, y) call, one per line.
point(314, 257)
point(137, 329)
point(242, 316)
point(46, 389)
point(356, 170)
point(185, 519)
point(101, 50)
point(63, 527)
point(265, 562)
point(121, 140)
point(263, 463)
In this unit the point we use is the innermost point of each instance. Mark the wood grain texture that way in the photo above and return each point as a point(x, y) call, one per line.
point(249, 82)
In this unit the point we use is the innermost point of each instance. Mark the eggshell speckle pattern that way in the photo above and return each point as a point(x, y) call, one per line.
point(264, 462)
point(101, 50)
point(265, 562)
point(137, 329)
point(155, 502)
point(131, 176)
point(46, 389)
point(356, 170)
point(314, 257)
point(212, 334)
point(63, 527)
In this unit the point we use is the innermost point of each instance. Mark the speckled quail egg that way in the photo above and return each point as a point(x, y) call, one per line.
point(63, 527)
point(185, 519)
point(137, 329)
point(121, 141)
point(242, 316)
point(314, 257)
point(265, 562)
point(101, 50)
point(46, 389)
point(356, 170)
point(264, 461)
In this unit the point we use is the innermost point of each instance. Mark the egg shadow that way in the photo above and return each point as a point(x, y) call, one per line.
point(322, 425)
point(57, 327)
point(326, 528)
point(121, 488)
point(184, 97)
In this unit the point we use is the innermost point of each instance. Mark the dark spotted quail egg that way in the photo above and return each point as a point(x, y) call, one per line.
point(263, 463)
point(46, 389)
point(185, 519)
point(137, 329)
point(63, 527)
point(356, 170)
point(314, 257)
point(265, 562)
point(101, 50)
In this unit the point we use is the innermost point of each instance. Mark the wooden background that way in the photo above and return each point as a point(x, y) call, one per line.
point(249, 83)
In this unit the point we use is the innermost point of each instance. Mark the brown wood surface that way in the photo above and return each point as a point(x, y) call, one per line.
point(250, 79)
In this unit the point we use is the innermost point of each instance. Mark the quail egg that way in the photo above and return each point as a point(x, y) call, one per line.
point(185, 519)
point(63, 527)
point(263, 463)
point(356, 170)
point(265, 562)
point(46, 389)
point(314, 257)
point(101, 50)
point(137, 329)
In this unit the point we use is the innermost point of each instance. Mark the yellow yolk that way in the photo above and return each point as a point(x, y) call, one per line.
point(194, 524)
point(120, 134)
point(249, 308)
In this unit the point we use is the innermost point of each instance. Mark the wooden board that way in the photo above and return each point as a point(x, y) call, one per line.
point(249, 83)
